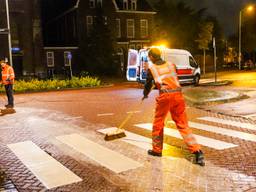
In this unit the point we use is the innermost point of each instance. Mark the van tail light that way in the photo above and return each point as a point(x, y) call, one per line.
point(184, 71)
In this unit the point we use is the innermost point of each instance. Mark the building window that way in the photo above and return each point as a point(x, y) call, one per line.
point(131, 46)
point(138, 46)
point(118, 28)
point(89, 24)
point(130, 28)
point(50, 59)
point(105, 20)
point(120, 53)
point(134, 5)
point(74, 26)
point(92, 3)
point(99, 3)
point(144, 28)
point(67, 60)
point(125, 4)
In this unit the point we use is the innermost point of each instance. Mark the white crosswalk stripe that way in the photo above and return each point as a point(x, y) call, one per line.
point(102, 155)
point(43, 166)
point(229, 122)
point(134, 139)
point(222, 131)
point(212, 143)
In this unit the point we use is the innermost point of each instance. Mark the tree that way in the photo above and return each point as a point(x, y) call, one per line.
point(27, 37)
point(99, 48)
point(177, 24)
point(204, 38)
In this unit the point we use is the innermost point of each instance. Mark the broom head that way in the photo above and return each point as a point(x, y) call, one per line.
point(119, 133)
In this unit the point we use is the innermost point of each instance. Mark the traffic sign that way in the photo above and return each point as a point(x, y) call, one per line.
point(69, 56)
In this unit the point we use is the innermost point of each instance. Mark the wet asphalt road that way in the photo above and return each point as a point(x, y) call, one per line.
point(109, 106)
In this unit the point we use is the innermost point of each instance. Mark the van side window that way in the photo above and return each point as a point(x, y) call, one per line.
point(192, 62)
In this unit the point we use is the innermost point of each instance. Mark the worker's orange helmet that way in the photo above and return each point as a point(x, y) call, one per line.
point(155, 52)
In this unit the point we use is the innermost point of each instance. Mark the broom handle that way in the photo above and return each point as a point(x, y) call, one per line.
point(131, 114)
point(127, 118)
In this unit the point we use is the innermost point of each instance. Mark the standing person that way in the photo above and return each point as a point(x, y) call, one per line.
point(8, 81)
point(171, 100)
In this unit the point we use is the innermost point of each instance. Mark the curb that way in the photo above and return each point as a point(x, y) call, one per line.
point(221, 113)
point(220, 83)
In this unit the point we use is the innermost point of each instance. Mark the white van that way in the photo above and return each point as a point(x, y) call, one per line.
point(187, 69)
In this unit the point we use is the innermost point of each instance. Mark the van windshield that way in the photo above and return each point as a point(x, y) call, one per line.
point(178, 60)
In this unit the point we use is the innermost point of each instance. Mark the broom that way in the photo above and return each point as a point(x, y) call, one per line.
point(119, 132)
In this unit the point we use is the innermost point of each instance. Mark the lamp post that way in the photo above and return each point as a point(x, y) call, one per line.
point(9, 31)
point(249, 9)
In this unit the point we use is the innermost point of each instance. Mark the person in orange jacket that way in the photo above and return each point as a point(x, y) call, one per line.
point(170, 99)
point(8, 77)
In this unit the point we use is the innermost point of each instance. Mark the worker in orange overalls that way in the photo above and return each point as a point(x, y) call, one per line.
point(170, 100)
point(8, 81)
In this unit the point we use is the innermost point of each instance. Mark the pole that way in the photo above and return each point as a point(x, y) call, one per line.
point(240, 43)
point(70, 68)
point(215, 63)
point(204, 61)
point(9, 32)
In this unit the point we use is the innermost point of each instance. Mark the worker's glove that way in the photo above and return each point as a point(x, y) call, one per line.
point(144, 97)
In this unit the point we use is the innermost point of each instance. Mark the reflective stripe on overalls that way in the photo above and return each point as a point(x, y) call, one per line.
point(170, 100)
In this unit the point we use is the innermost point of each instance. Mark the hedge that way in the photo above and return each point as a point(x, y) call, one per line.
point(55, 84)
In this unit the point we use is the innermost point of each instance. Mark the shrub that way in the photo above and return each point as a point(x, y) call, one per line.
point(43, 85)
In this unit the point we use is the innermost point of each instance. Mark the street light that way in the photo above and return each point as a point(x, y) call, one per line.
point(8, 31)
point(248, 9)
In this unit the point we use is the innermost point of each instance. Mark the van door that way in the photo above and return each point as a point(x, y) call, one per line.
point(132, 65)
point(143, 65)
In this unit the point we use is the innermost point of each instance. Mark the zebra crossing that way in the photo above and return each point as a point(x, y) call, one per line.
point(47, 169)
point(43, 166)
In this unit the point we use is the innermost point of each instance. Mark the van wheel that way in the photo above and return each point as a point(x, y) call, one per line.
point(196, 80)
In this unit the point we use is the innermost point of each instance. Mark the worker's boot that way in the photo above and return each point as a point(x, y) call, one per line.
point(9, 106)
point(199, 158)
point(153, 153)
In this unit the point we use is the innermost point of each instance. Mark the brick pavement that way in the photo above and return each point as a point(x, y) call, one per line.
point(236, 171)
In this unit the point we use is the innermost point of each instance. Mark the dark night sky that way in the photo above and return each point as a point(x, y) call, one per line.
point(227, 11)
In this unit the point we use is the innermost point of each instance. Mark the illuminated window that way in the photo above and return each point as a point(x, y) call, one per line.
point(118, 28)
point(92, 3)
point(50, 59)
point(130, 28)
point(144, 28)
point(89, 23)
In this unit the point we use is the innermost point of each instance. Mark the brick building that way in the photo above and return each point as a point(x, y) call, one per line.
point(26, 35)
point(68, 23)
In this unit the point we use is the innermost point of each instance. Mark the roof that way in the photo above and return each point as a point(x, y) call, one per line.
point(142, 5)
point(54, 8)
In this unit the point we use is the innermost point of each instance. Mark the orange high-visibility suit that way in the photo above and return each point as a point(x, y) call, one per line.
point(170, 100)
point(7, 75)
point(8, 81)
